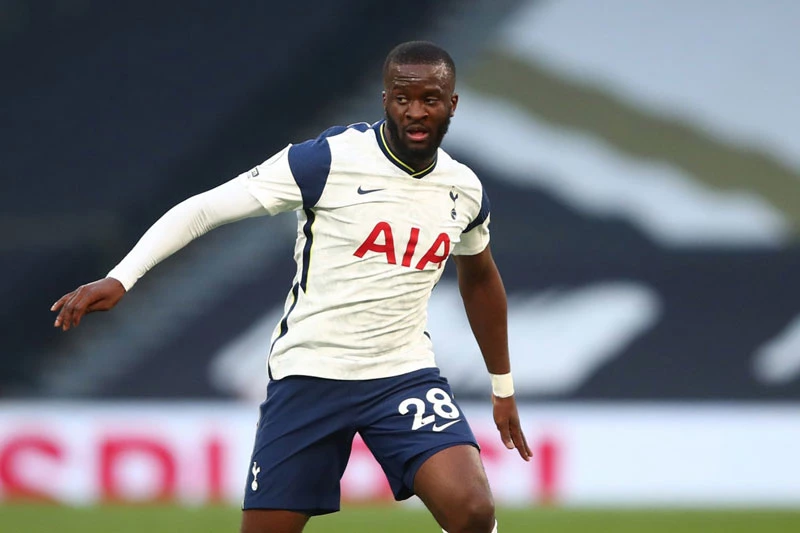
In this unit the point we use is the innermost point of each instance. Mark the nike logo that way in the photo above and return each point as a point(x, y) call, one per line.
point(445, 426)
point(367, 191)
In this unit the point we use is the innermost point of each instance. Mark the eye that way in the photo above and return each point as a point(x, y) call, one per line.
point(431, 100)
point(401, 99)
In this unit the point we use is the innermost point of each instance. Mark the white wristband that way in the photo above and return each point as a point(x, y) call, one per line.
point(502, 385)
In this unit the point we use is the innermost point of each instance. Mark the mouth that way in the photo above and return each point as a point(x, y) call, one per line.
point(417, 133)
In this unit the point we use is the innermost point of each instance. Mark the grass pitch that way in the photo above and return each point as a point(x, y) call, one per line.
point(391, 519)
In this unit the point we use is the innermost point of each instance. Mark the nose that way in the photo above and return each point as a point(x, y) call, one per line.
point(416, 110)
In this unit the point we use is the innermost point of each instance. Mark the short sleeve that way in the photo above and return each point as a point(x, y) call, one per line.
point(273, 184)
point(294, 178)
point(475, 237)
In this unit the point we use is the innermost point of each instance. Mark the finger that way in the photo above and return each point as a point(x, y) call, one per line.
point(525, 442)
point(62, 314)
point(86, 306)
point(71, 308)
point(519, 442)
point(60, 302)
point(60, 306)
point(505, 434)
point(64, 317)
point(78, 311)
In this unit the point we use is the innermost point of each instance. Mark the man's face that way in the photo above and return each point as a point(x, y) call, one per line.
point(419, 101)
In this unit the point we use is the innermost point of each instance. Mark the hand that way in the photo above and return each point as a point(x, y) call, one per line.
point(100, 295)
point(506, 419)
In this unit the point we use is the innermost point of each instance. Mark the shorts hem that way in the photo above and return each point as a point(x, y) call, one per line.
point(416, 463)
point(305, 510)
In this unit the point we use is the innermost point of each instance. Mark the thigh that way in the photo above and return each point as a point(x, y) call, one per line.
point(409, 419)
point(264, 521)
point(453, 485)
point(301, 449)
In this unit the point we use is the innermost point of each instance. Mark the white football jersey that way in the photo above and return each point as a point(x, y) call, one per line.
point(373, 237)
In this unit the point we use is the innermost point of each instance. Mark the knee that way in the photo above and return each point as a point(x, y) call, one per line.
point(473, 515)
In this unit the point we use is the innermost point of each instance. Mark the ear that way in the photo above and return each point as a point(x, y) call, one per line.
point(454, 104)
point(383, 97)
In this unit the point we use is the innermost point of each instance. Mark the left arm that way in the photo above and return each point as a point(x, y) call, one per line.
point(485, 303)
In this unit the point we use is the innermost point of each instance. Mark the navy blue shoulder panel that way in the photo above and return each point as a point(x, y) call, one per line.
point(482, 214)
point(310, 163)
point(336, 130)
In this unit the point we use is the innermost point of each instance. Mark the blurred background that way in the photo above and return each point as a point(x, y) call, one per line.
point(643, 163)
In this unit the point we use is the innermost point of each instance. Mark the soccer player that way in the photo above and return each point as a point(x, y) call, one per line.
point(380, 209)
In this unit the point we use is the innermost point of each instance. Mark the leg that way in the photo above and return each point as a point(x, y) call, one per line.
point(425, 446)
point(300, 452)
point(264, 521)
point(453, 485)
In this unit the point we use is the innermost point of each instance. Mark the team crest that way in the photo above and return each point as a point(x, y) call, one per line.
point(255, 470)
point(454, 197)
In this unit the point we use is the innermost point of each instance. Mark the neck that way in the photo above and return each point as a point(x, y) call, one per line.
point(416, 164)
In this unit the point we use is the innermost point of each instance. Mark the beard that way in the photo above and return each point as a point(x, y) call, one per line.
point(410, 153)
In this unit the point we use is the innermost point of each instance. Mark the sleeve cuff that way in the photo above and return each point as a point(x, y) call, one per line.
point(127, 281)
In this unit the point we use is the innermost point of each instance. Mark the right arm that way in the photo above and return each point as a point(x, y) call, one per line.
point(183, 223)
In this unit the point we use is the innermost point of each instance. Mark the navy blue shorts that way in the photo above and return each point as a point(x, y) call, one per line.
point(306, 430)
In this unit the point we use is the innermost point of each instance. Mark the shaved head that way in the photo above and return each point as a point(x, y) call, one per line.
point(420, 53)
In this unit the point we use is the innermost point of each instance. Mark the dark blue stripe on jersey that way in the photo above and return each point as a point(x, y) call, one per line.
point(307, 248)
point(285, 322)
point(310, 163)
point(482, 214)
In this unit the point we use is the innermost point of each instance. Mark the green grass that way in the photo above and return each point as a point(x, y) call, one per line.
point(53, 519)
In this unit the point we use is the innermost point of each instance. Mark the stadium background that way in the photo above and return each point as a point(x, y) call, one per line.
point(643, 161)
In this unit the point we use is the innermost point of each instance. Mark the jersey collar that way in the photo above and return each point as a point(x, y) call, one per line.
point(384, 146)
